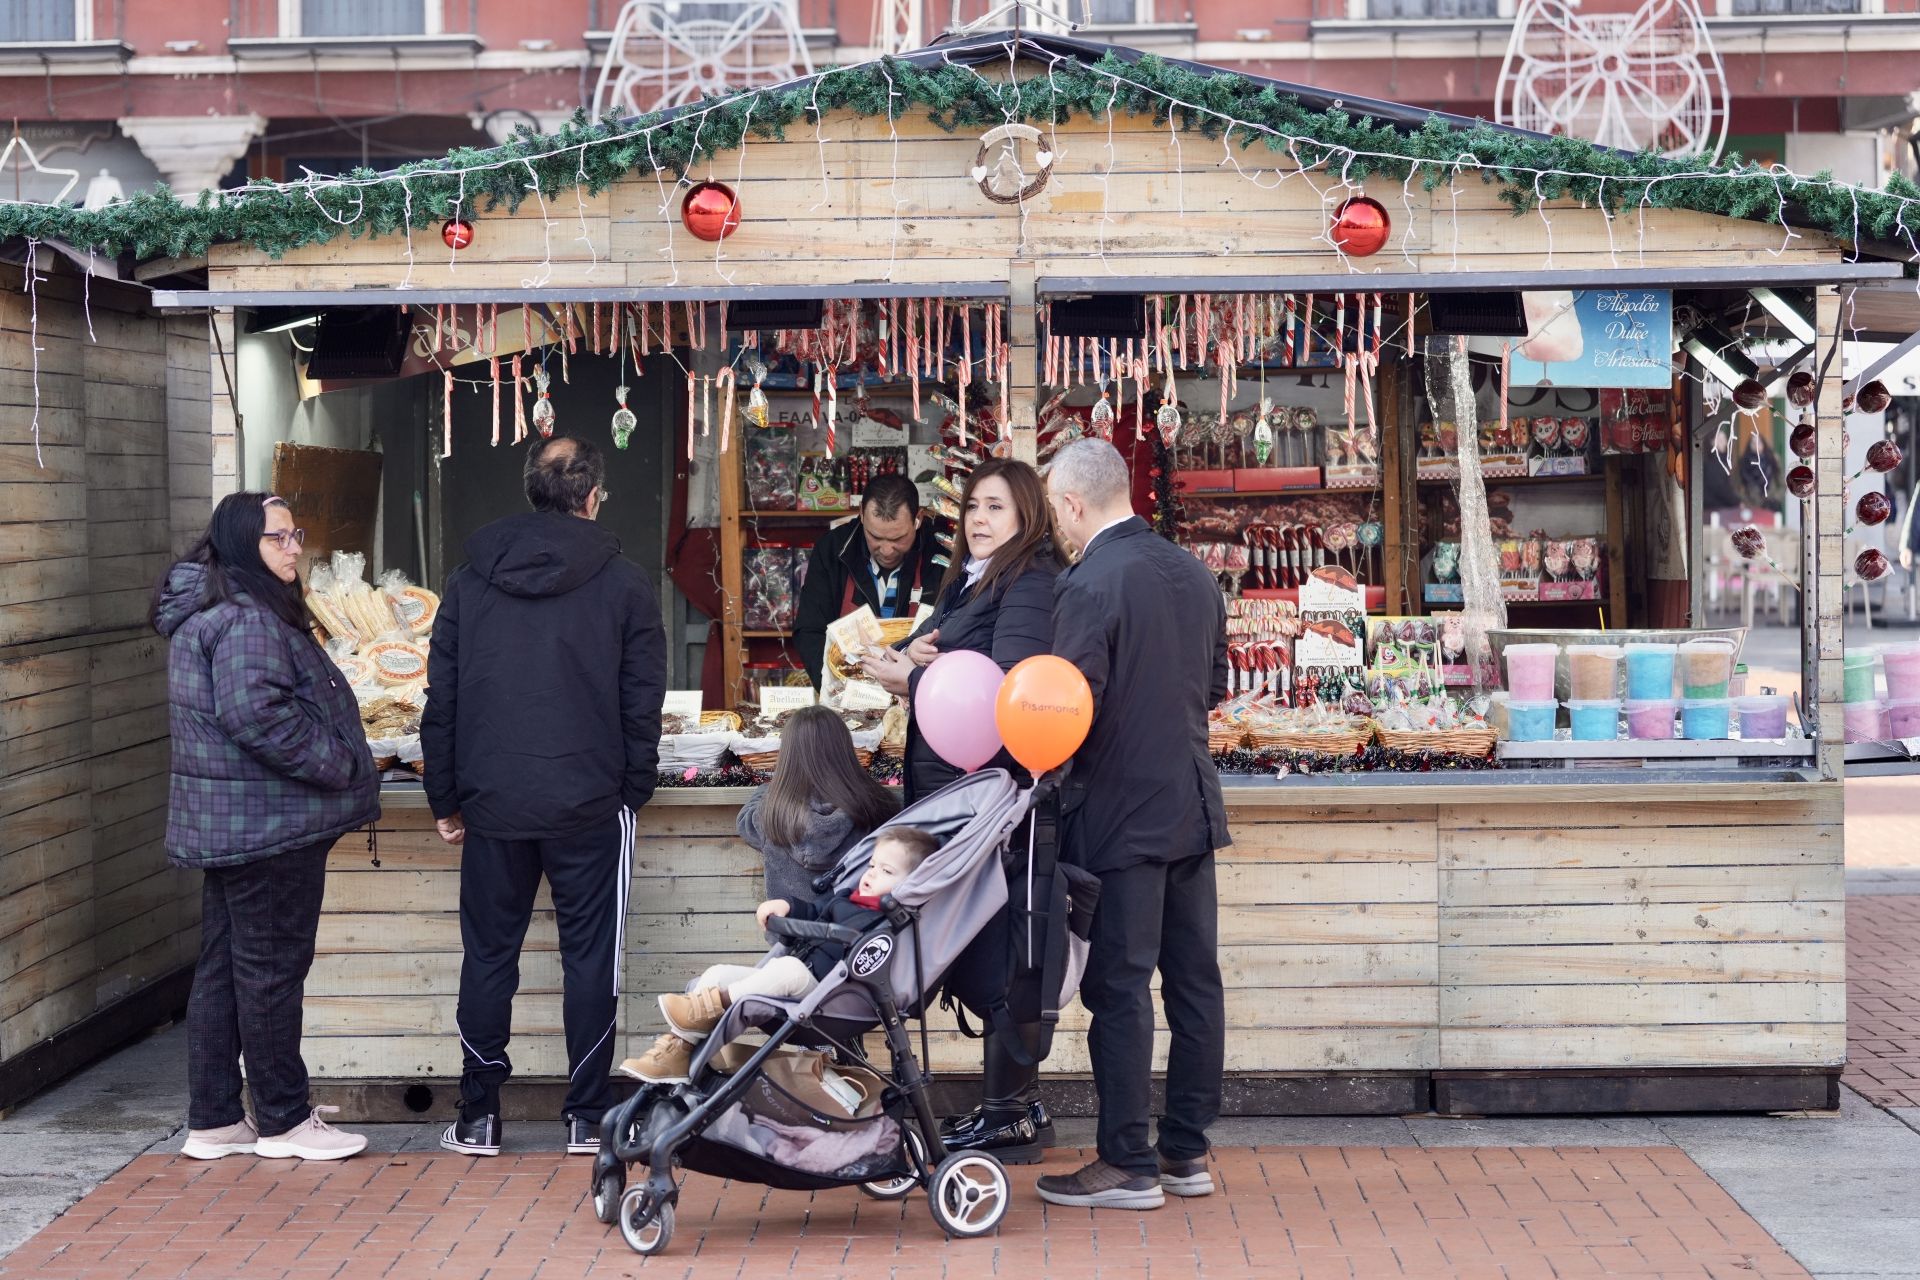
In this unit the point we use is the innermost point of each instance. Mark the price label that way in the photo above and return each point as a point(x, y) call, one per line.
point(682, 702)
point(776, 698)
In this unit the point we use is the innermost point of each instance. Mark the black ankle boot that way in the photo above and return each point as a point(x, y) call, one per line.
point(1009, 1135)
point(1010, 1120)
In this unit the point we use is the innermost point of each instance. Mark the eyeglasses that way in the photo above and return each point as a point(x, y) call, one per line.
point(286, 539)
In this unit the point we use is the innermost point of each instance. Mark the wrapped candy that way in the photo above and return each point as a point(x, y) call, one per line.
point(1801, 389)
point(1884, 455)
point(1873, 398)
point(1873, 508)
point(1804, 440)
point(1871, 565)
point(1800, 482)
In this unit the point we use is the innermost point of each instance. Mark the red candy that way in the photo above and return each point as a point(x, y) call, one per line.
point(1873, 508)
point(1749, 542)
point(1804, 440)
point(1800, 482)
point(1871, 565)
point(1884, 456)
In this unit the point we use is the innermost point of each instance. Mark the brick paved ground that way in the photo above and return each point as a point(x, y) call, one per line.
point(1883, 998)
point(1308, 1212)
point(1883, 822)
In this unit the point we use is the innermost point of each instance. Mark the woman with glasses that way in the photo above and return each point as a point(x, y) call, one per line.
point(269, 768)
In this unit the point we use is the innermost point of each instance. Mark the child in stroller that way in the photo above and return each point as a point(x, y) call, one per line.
point(739, 1114)
point(897, 850)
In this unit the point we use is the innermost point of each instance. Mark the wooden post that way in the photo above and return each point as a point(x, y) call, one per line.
point(1616, 546)
point(732, 548)
point(1400, 480)
point(1023, 337)
point(1822, 550)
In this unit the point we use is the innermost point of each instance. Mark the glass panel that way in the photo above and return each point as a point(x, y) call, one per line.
point(363, 17)
point(1777, 8)
point(1112, 13)
point(37, 20)
point(1433, 8)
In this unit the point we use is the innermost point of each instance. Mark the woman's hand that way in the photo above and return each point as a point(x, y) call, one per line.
point(772, 907)
point(922, 649)
point(887, 668)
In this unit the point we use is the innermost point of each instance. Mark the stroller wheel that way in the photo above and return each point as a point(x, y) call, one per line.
point(647, 1230)
point(969, 1194)
point(902, 1187)
point(609, 1181)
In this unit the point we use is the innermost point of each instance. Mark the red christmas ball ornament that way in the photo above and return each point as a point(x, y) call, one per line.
point(711, 211)
point(1803, 440)
point(1801, 389)
point(1749, 542)
point(1874, 397)
point(1871, 565)
point(1800, 482)
point(1873, 508)
point(1750, 395)
point(1883, 456)
point(456, 233)
point(1360, 227)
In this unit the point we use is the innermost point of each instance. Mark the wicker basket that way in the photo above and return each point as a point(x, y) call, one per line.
point(764, 761)
point(1465, 742)
point(1341, 743)
point(1222, 738)
point(720, 722)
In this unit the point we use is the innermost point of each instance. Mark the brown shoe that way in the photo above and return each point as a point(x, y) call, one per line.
point(693, 1016)
point(1186, 1177)
point(665, 1063)
point(1101, 1186)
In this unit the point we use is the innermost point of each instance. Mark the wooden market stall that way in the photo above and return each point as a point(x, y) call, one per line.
point(1501, 941)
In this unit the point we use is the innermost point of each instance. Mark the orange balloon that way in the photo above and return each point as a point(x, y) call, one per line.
point(1043, 711)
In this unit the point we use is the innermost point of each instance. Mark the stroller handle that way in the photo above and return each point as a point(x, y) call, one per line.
point(820, 930)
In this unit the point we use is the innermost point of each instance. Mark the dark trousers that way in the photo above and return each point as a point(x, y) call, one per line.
point(588, 876)
point(257, 927)
point(1165, 915)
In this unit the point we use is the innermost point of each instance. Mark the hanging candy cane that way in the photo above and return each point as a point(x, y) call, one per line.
point(446, 413)
point(495, 362)
point(519, 405)
point(1379, 324)
point(693, 392)
point(646, 325)
point(832, 375)
point(728, 390)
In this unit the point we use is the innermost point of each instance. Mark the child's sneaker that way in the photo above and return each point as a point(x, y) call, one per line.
point(665, 1063)
point(696, 1014)
point(313, 1139)
point(210, 1144)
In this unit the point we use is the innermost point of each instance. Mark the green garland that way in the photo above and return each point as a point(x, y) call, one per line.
point(1220, 106)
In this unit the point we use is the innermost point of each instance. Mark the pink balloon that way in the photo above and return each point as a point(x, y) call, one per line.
point(954, 707)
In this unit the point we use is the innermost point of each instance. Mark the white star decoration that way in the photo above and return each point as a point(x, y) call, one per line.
point(18, 143)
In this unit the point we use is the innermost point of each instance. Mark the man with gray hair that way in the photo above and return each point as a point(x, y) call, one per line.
point(541, 737)
point(1141, 809)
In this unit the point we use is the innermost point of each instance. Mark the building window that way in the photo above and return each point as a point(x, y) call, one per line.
point(42, 20)
point(1402, 9)
point(1119, 13)
point(320, 18)
point(1784, 8)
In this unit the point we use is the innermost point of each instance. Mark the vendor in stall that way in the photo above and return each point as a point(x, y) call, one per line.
point(884, 559)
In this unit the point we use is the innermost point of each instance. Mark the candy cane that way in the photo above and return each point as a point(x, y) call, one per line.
point(1379, 317)
point(725, 378)
point(833, 405)
point(693, 390)
point(446, 414)
point(519, 405)
point(941, 345)
point(495, 362)
point(646, 324)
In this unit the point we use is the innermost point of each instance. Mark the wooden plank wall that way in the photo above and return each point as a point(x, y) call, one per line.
point(1353, 938)
point(873, 202)
point(89, 910)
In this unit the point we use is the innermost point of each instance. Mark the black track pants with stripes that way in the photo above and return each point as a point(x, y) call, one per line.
point(588, 875)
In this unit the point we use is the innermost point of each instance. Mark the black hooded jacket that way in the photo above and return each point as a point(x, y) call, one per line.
point(545, 680)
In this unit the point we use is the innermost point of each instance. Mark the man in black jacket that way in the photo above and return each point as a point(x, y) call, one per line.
point(542, 737)
point(884, 559)
point(1141, 809)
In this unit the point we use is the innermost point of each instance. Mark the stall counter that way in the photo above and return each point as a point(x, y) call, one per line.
point(1389, 944)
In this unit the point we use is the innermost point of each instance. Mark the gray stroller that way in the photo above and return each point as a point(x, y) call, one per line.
point(738, 1115)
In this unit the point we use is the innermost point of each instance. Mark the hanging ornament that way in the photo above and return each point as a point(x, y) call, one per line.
point(1873, 508)
point(1800, 482)
point(1804, 440)
point(456, 233)
point(623, 420)
point(710, 211)
point(1167, 417)
point(1871, 565)
point(543, 406)
point(1749, 396)
point(1801, 389)
point(1874, 397)
point(1360, 227)
point(758, 412)
point(1883, 456)
point(1101, 419)
point(1263, 433)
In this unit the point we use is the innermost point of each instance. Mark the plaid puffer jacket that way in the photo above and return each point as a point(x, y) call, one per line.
point(268, 753)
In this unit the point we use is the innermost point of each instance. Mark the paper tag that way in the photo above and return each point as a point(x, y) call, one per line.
point(778, 698)
point(862, 695)
point(682, 702)
point(1332, 588)
point(922, 616)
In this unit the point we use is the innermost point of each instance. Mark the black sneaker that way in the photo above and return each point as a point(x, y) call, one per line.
point(1186, 1177)
point(583, 1136)
point(1009, 1135)
point(479, 1136)
point(1101, 1186)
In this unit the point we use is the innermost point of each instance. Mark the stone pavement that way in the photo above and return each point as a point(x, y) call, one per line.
point(1883, 989)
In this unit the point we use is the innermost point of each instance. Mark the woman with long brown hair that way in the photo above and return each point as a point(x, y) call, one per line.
point(997, 598)
point(818, 803)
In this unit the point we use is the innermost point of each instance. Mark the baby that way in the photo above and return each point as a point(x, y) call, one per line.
point(896, 852)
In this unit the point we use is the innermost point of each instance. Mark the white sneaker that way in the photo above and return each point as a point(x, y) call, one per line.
point(313, 1140)
point(210, 1144)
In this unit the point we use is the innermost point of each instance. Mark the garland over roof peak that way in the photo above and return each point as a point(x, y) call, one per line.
point(1050, 79)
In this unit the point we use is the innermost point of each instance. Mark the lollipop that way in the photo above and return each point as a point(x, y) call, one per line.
point(1874, 397)
point(1573, 433)
point(1800, 482)
point(1804, 440)
point(1750, 543)
point(1371, 534)
point(1749, 396)
point(1546, 433)
point(1871, 565)
point(1873, 508)
point(1559, 560)
point(1884, 455)
point(1801, 389)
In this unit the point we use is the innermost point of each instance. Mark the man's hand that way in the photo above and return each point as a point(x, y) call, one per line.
point(772, 907)
point(923, 649)
point(453, 830)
